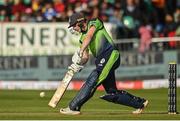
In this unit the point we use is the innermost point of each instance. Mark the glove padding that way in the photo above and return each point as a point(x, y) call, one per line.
point(76, 67)
point(76, 58)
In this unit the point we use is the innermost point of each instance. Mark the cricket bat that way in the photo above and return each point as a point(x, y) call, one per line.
point(61, 88)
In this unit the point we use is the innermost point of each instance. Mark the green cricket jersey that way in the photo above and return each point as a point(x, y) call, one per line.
point(101, 41)
point(101, 47)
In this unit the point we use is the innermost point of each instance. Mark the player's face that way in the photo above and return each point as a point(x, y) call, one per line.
point(78, 28)
point(75, 29)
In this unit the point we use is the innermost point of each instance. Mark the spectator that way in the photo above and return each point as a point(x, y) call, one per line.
point(49, 12)
point(145, 37)
point(95, 13)
point(159, 6)
point(131, 19)
point(177, 20)
point(59, 6)
point(27, 16)
point(36, 5)
point(39, 17)
point(116, 19)
point(16, 17)
point(126, 14)
point(104, 11)
point(3, 16)
point(18, 7)
point(169, 30)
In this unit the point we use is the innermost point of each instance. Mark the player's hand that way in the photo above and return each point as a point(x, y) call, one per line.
point(77, 57)
point(76, 67)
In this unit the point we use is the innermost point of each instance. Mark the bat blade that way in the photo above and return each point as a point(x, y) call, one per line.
point(61, 89)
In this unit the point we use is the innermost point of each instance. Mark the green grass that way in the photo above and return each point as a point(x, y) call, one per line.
point(20, 104)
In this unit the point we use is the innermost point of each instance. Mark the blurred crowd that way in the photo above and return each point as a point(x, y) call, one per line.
point(132, 18)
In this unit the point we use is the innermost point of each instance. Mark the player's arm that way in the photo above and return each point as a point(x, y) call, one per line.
point(87, 39)
point(85, 57)
point(78, 56)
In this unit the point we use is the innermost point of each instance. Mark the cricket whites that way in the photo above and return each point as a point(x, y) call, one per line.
point(61, 88)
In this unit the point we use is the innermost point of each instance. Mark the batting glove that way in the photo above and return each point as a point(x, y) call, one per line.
point(76, 67)
point(77, 57)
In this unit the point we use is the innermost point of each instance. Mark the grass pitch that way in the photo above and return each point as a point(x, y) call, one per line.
point(27, 104)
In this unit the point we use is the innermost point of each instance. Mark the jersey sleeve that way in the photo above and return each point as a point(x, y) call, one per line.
point(97, 23)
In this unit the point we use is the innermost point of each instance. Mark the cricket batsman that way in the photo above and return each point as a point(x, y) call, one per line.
point(94, 38)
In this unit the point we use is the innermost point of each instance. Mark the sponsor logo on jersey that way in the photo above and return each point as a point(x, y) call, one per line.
point(101, 62)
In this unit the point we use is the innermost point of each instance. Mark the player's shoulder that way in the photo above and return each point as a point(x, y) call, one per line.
point(95, 20)
point(98, 23)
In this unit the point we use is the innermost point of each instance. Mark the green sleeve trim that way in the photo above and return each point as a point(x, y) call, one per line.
point(113, 58)
point(97, 23)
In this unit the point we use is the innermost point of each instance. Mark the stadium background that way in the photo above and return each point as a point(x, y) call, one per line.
point(36, 46)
